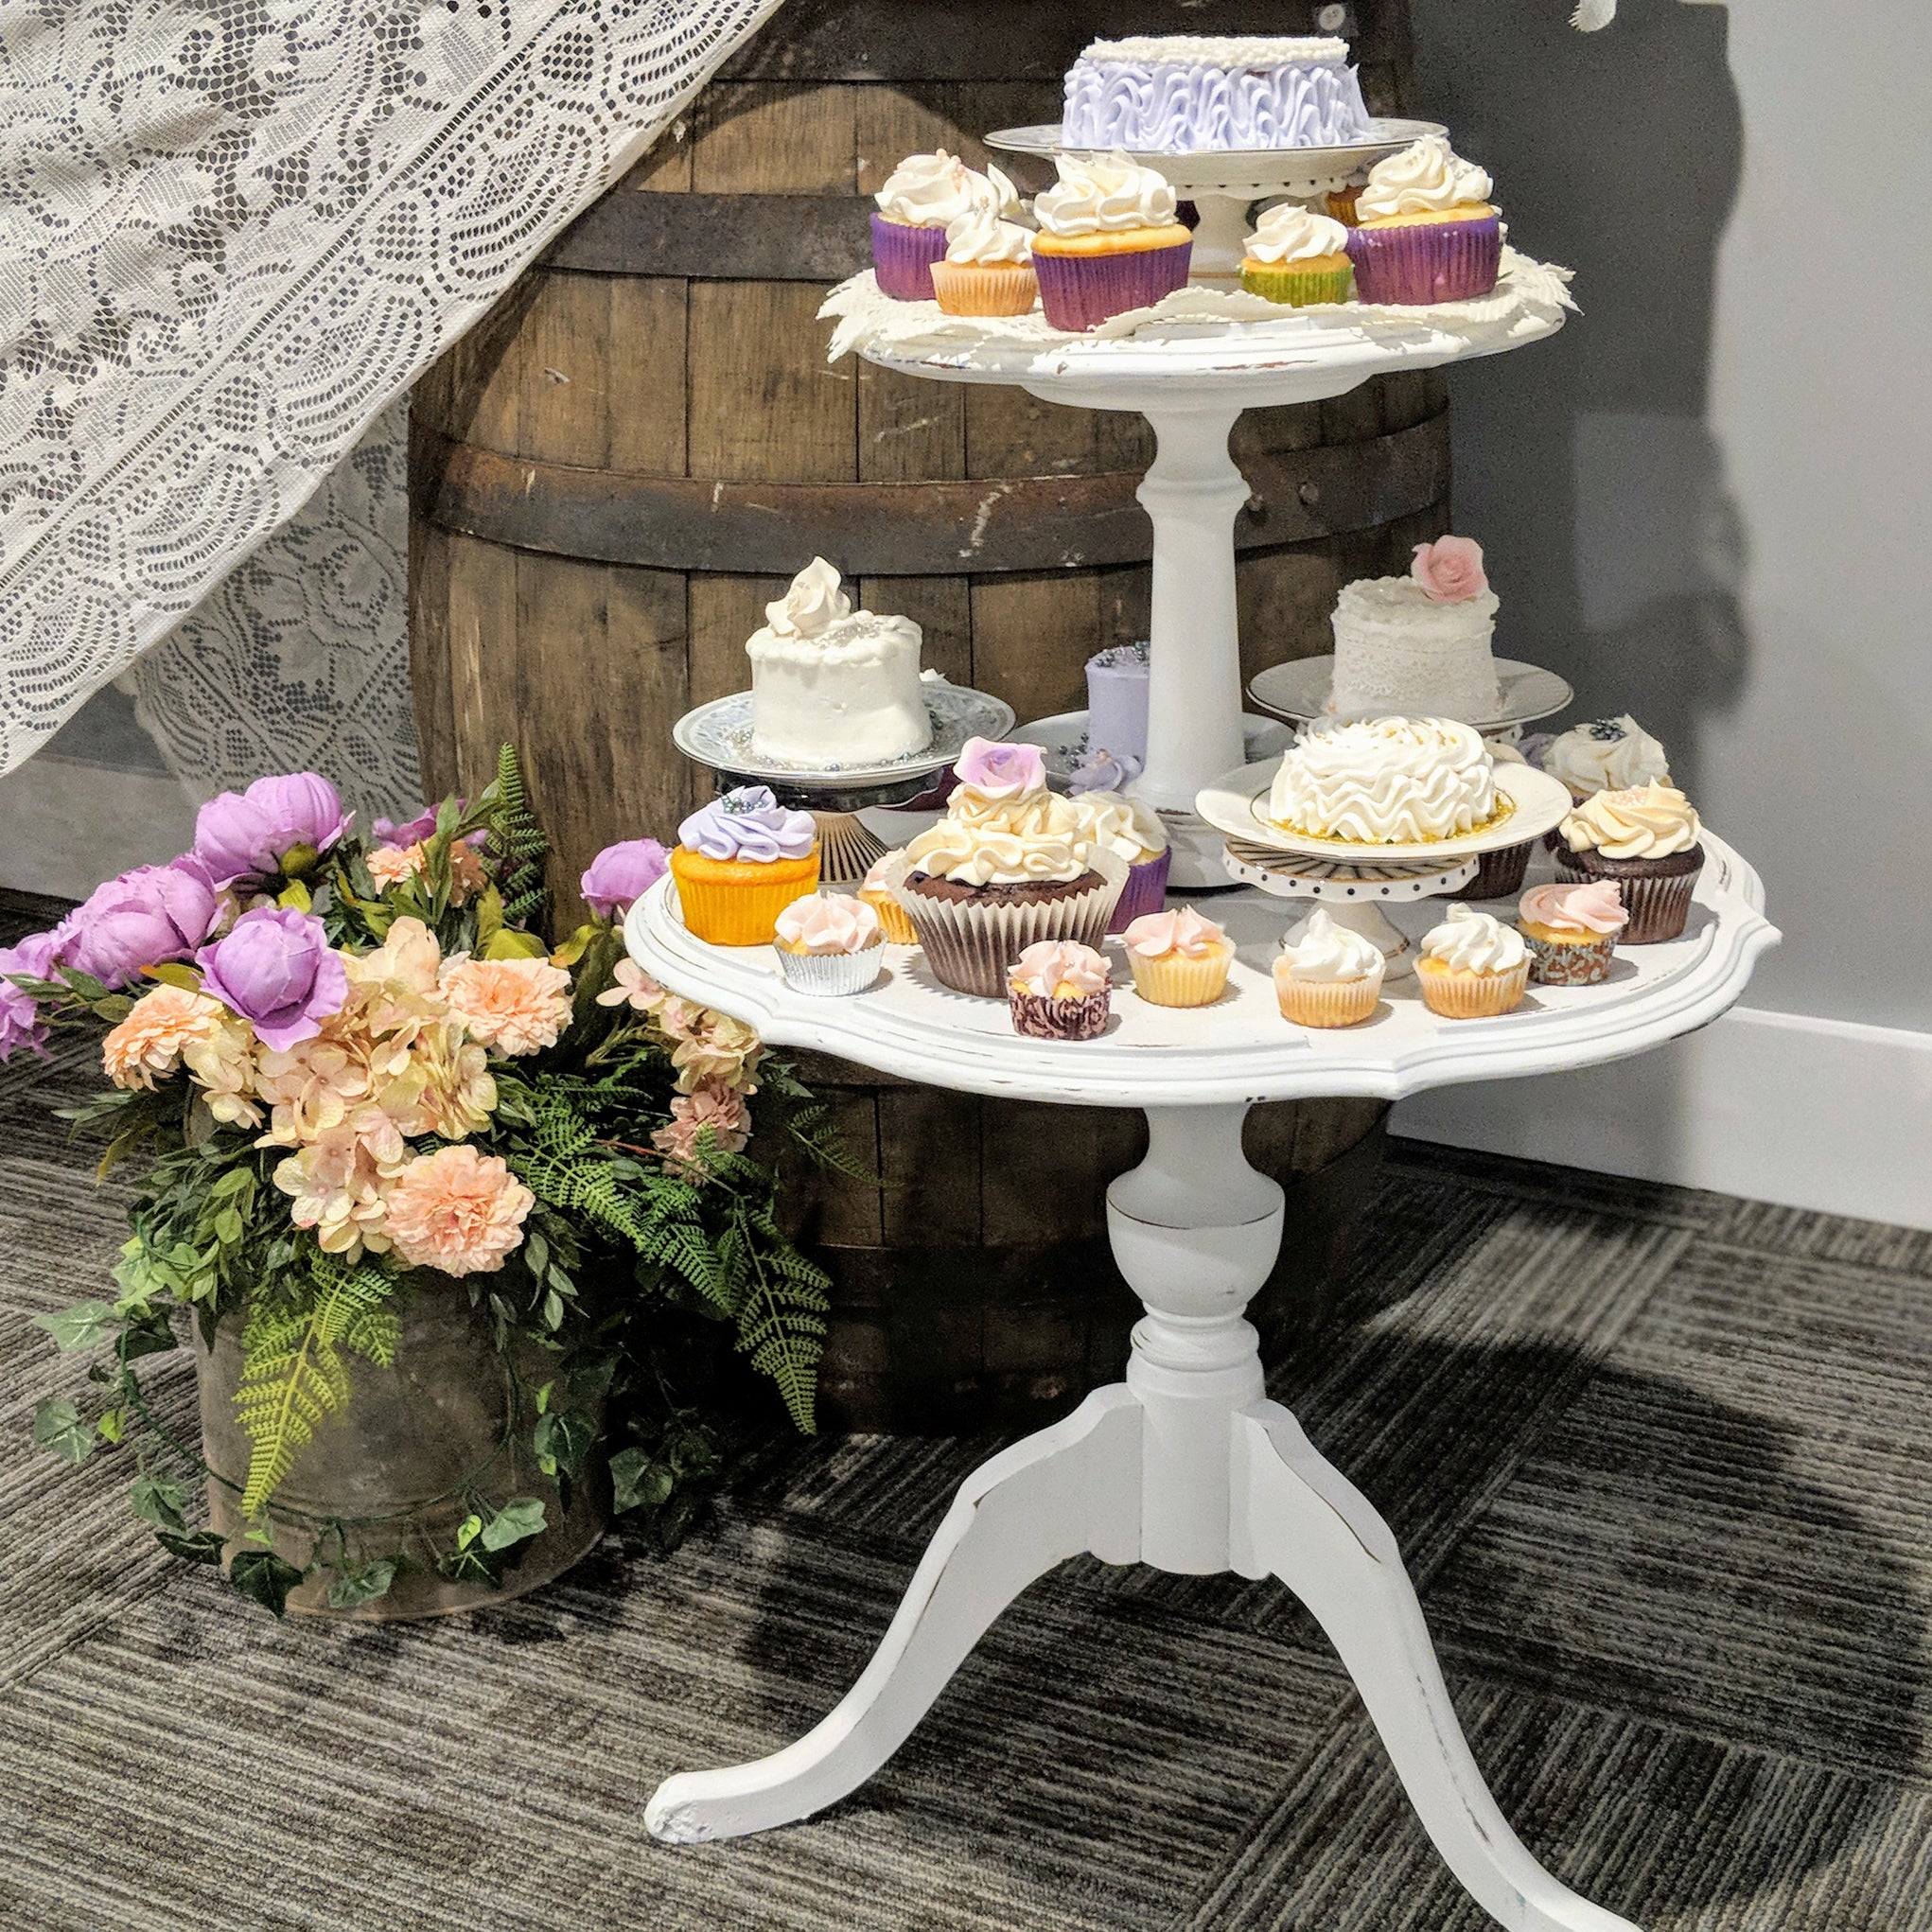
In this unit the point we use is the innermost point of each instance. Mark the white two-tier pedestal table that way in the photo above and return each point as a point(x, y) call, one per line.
point(1185, 1466)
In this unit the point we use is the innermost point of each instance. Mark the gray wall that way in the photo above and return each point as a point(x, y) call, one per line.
point(1705, 501)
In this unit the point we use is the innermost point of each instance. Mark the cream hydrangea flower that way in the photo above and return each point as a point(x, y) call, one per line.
point(148, 1045)
point(223, 1064)
point(516, 1006)
point(635, 989)
point(338, 1186)
point(708, 1046)
point(713, 1107)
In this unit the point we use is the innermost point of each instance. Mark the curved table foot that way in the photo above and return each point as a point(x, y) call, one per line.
point(1070, 1489)
point(1297, 1518)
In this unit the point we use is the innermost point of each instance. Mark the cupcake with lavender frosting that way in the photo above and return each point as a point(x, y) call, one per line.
point(739, 862)
point(1571, 931)
point(1297, 256)
point(828, 944)
point(1059, 990)
point(1425, 231)
point(1110, 239)
point(922, 199)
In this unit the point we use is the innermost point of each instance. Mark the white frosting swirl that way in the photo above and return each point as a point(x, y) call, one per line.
point(1474, 942)
point(982, 237)
point(815, 602)
point(1289, 232)
point(1605, 755)
point(1426, 177)
point(1123, 826)
point(1327, 952)
point(1104, 194)
point(1385, 782)
point(934, 190)
point(1650, 821)
point(984, 840)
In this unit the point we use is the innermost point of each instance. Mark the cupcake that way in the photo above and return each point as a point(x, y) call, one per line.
point(1498, 873)
point(1134, 834)
point(922, 197)
point(739, 862)
point(1341, 202)
point(1644, 838)
point(893, 924)
point(1005, 868)
point(988, 267)
point(1059, 989)
point(1179, 959)
point(1109, 240)
point(1297, 256)
point(1573, 931)
point(827, 943)
point(1472, 966)
point(1425, 231)
point(1604, 755)
point(1328, 975)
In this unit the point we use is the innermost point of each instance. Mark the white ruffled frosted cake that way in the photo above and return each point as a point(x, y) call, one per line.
point(1419, 644)
point(1385, 782)
point(1185, 93)
point(831, 686)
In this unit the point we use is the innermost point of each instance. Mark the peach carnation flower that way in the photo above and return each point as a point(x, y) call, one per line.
point(516, 1006)
point(390, 865)
point(458, 1211)
point(711, 1106)
point(149, 1044)
point(338, 1181)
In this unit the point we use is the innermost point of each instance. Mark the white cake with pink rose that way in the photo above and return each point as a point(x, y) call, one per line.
point(1420, 645)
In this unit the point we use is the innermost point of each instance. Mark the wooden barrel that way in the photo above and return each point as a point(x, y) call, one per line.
point(615, 472)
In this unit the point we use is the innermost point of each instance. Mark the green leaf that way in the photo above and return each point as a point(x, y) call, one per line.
point(112, 1425)
point(535, 1253)
point(468, 1531)
point(562, 1439)
point(361, 1585)
point(521, 1516)
point(158, 1499)
point(146, 1334)
point(264, 1577)
point(199, 1546)
point(295, 896)
point(638, 1482)
point(186, 977)
point(79, 1326)
point(84, 984)
point(553, 1309)
point(228, 1227)
point(508, 945)
point(114, 1009)
point(58, 1426)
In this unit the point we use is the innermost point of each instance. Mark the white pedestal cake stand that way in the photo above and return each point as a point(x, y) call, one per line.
point(1185, 1466)
point(1192, 388)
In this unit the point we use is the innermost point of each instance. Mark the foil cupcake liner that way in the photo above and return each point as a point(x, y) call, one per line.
point(1146, 891)
point(1455, 994)
point(1040, 1016)
point(1569, 962)
point(902, 258)
point(1659, 903)
point(1080, 291)
point(969, 943)
point(1424, 262)
point(984, 288)
point(831, 975)
point(1294, 285)
point(1499, 874)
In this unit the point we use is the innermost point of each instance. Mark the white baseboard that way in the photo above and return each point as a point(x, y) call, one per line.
point(1819, 1114)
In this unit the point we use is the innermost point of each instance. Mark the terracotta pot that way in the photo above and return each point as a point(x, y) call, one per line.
point(414, 1440)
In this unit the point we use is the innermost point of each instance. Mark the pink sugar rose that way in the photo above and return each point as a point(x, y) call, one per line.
point(1450, 569)
point(1001, 771)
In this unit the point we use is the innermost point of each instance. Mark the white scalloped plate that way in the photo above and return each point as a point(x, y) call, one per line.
point(1300, 689)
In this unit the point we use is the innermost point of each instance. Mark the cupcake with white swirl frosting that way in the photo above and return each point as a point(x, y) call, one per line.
point(988, 269)
point(1425, 230)
point(922, 199)
point(1328, 975)
point(1472, 966)
point(1110, 239)
point(1297, 256)
point(1645, 839)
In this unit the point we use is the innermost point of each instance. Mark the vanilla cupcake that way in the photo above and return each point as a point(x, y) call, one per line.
point(1472, 966)
point(1179, 959)
point(1110, 239)
point(829, 943)
point(1571, 931)
point(1134, 833)
point(1425, 231)
point(876, 893)
point(1605, 755)
point(1328, 975)
point(1297, 257)
point(922, 199)
point(1059, 989)
point(1646, 839)
point(988, 267)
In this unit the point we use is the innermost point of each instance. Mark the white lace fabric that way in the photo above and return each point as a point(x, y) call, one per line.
point(232, 233)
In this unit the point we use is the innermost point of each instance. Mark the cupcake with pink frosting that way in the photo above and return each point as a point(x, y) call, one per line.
point(1059, 990)
point(1572, 930)
point(830, 945)
point(1179, 959)
point(876, 893)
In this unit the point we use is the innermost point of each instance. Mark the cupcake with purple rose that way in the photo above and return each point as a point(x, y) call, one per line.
point(1007, 867)
point(279, 825)
point(1110, 239)
point(1425, 230)
point(1134, 833)
point(922, 197)
point(1059, 990)
point(621, 874)
point(277, 971)
point(1646, 839)
point(739, 862)
point(1571, 931)
point(829, 944)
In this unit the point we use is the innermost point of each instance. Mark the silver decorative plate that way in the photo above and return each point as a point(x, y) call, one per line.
point(1300, 690)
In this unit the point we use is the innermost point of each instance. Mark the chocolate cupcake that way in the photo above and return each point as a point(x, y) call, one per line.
point(1644, 838)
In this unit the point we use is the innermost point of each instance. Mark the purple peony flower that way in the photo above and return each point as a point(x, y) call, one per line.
point(248, 834)
point(277, 972)
point(20, 1016)
point(148, 916)
point(621, 874)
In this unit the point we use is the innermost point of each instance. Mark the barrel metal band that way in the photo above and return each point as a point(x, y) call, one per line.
point(719, 238)
point(970, 527)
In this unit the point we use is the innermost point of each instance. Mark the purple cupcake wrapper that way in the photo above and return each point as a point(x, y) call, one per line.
point(1499, 874)
point(1426, 262)
point(1080, 291)
point(904, 258)
point(1146, 890)
point(1040, 1016)
point(1658, 903)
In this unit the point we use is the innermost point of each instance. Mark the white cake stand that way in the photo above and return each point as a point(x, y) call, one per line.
point(1299, 690)
point(1192, 388)
point(1185, 1466)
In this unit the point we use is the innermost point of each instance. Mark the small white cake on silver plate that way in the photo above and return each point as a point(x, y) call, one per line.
point(1385, 782)
point(831, 686)
point(1419, 644)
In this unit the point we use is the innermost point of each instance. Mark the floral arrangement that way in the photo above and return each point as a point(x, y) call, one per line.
point(349, 1061)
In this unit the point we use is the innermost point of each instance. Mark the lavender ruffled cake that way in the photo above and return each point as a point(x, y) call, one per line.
point(1185, 93)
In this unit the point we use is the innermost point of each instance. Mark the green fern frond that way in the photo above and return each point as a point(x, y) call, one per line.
point(515, 848)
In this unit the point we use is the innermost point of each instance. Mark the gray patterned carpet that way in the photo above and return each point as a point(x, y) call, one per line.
point(1660, 1461)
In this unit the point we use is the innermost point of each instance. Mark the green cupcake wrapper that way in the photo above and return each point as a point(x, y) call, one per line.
point(1297, 287)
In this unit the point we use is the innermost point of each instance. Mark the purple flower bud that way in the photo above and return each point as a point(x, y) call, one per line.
point(277, 972)
point(20, 1019)
point(621, 874)
point(246, 835)
point(148, 916)
point(411, 831)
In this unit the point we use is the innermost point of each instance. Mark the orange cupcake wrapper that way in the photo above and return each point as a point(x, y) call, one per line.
point(892, 920)
point(985, 288)
point(1327, 1002)
point(1453, 993)
point(735, 903)
point(1175, 980)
